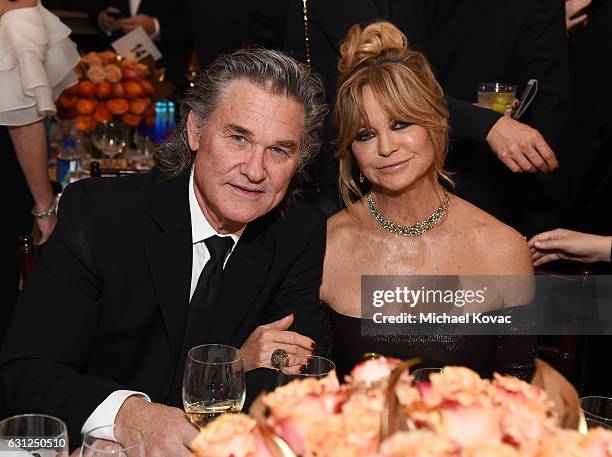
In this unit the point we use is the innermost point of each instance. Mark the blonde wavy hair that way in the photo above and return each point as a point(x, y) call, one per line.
point(404, 85)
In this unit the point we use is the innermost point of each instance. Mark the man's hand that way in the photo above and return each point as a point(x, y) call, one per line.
point(130, 23)
point(520, 147)
point(108, 22)
point(167, 431)
point(561, 244)
point(573, 8)
point(258, 348)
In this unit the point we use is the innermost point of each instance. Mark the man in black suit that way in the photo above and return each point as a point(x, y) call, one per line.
point(111, 307)
point(475, 41)
point(165, 22)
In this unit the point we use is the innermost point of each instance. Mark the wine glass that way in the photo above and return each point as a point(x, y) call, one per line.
point(423, 374)
point(597, 412)
point(111, 138)
point(213, 383)
point(34, 434)
point(113, 441)
point(317, 368)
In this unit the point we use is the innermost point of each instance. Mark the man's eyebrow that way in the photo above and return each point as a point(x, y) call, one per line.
point(287, 144)
point(238, 129)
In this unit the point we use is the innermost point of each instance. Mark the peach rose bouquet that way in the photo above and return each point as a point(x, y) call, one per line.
point(379, 411)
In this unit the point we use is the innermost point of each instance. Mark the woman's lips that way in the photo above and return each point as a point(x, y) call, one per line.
point(394, 166)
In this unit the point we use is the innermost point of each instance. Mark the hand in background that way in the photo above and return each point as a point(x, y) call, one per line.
point(562, 244)
point(142, 20)
point(167, 431)
point(520, 147)
point(573, 8)
point(108, 22)
point(45, 226)
point(258, 348)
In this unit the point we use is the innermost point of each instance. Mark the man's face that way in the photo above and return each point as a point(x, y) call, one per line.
point(247, 153)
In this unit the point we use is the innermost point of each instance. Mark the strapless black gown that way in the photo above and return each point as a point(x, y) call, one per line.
point(345, 345)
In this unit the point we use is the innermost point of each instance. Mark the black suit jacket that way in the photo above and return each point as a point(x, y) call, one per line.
point(474, 41)
point(175, 41)
point(218, 27)
point(106, 305)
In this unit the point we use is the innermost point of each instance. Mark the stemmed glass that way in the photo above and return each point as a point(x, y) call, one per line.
point(113, 441)
point(317, 368)
point(111, 138)
point(34, 434)
point(213, 383)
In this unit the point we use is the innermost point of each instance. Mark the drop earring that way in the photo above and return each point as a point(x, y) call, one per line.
point(361, 178)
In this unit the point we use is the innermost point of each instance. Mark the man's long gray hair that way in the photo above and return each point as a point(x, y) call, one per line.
point(273, 70)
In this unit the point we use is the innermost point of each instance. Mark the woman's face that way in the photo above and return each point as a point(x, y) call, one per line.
point(392, 154)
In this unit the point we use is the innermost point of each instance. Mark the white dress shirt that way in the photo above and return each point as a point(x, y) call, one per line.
point(201, 229)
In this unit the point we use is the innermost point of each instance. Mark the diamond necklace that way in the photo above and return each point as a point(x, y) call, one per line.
point(415, 229)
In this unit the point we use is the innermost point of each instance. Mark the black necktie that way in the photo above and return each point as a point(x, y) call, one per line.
point(205, 294)
point(202, 303)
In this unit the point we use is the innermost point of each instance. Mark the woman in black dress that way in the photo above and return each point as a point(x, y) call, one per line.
point(392, 132)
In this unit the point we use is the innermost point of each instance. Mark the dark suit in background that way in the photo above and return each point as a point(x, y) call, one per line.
point(106, 305)
point(174, 40)
point(223, 26)
point(475, 41)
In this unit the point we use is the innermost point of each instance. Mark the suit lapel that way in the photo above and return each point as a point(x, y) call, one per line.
point(169, 253)
point(244, 274)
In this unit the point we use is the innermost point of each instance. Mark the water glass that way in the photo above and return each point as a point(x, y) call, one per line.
point(111, 138)
point(317, 368)
point(423, 374)
point(33, 434)
point(113, 441)
point(597, 411)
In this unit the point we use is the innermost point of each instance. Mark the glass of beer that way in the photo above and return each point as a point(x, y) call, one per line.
point(497, 96)
point(213, 383)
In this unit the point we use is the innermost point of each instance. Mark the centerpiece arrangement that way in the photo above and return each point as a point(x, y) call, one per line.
point(380, 411)
point(110, 87)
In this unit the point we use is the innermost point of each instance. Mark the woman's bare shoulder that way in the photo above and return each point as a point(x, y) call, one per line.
point(503, 248)
point(342, 226)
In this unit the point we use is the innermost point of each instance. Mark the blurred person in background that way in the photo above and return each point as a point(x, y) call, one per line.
point(36, 62)
point(164, 21)
point(476, 41)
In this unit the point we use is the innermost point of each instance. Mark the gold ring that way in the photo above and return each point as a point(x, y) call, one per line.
point(280, 359)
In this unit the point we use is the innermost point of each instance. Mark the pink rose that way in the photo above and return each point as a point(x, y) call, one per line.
point(297, 406)
point(231, 435)
point(372, 371)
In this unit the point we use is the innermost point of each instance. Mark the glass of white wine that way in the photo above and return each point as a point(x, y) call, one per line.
point(33, 434)
point(213, 383)
point(111, 138)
